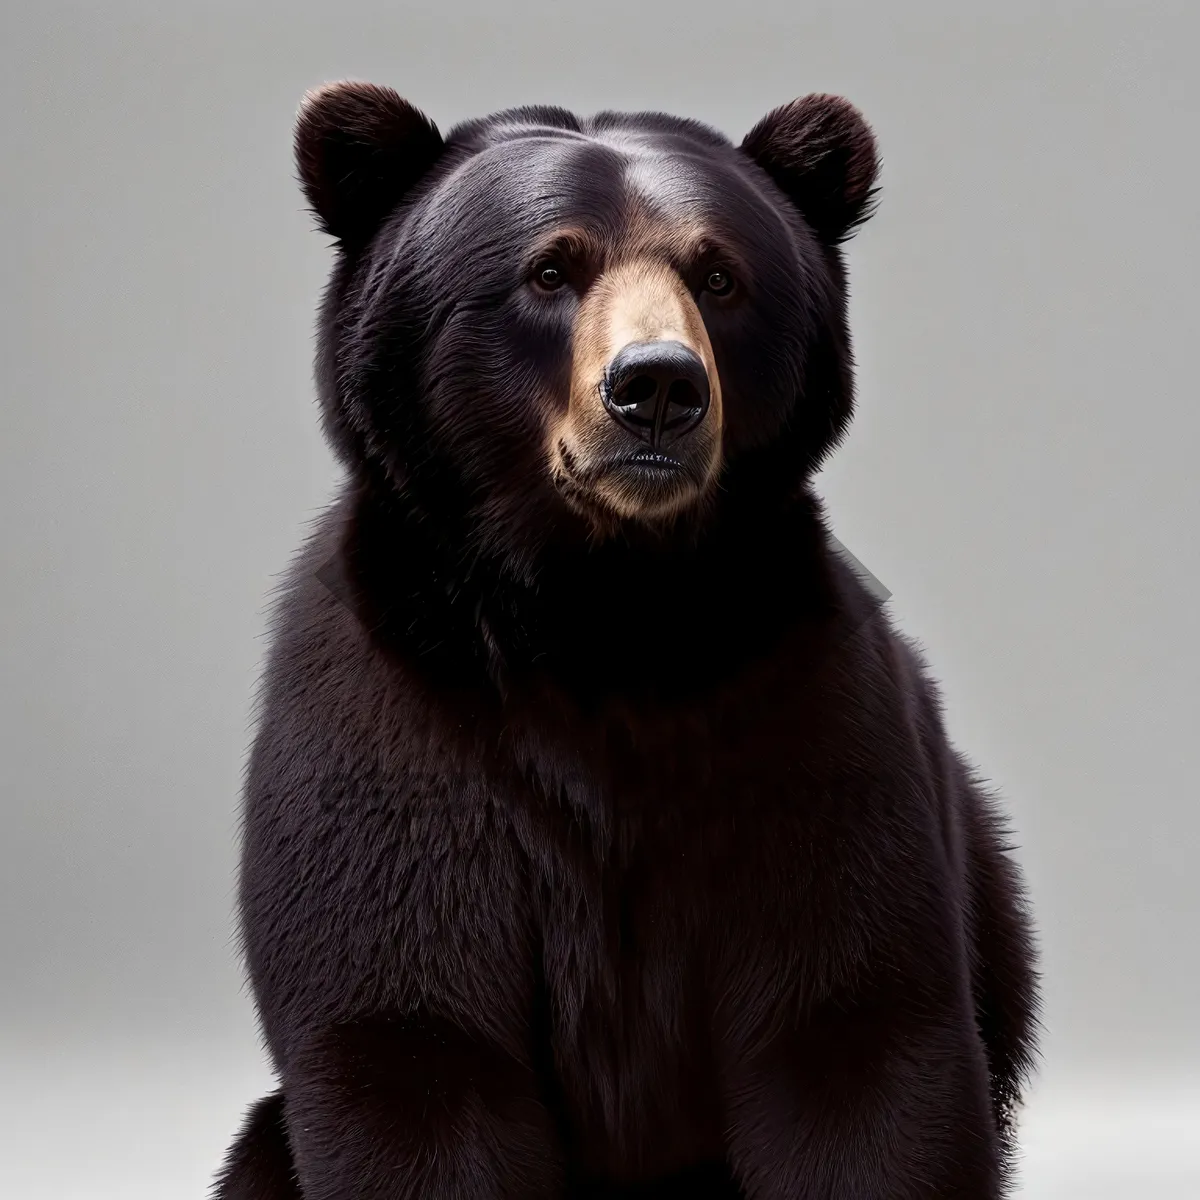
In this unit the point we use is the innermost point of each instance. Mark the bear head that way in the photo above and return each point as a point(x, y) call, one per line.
point(544, 331)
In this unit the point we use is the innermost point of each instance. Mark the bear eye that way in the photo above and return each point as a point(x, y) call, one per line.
point(719, 282)
point(550, 276)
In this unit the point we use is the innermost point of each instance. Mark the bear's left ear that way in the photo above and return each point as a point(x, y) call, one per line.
point(359, 148)
point(821, 153)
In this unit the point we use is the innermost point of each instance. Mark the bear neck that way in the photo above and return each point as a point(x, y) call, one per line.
point(621, 618)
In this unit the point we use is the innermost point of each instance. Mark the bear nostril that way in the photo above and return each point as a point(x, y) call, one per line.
point(639, 390)
point(683, 400)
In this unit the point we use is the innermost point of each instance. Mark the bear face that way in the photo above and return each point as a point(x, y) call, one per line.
point(545, 328)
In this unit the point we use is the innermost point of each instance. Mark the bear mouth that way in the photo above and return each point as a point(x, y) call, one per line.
point(641, 483)
point(643, 459)
point(648, 464)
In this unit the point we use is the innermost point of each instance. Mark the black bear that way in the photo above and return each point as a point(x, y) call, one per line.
point(601, 836)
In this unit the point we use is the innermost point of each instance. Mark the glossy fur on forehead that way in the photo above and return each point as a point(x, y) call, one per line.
point(650, 148)
point(518, 119)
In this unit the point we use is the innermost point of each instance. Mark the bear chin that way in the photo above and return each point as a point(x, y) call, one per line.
point(648, 493)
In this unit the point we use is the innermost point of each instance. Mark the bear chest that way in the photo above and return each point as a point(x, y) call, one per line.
point(629, 1023)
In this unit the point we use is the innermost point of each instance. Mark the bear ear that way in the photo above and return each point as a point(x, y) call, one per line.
point(359, 148)
point(821, 153)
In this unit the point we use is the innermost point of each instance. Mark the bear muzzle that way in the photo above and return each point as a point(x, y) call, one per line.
point(641, 437)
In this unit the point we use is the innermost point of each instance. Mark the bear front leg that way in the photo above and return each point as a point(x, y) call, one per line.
point(415, 1107)
point(859, 1105)
point(258, 1165)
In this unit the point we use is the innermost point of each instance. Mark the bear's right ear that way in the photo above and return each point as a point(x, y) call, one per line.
point(359, 148)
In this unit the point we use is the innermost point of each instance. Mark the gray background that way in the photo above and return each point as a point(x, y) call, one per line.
point(1020, 476)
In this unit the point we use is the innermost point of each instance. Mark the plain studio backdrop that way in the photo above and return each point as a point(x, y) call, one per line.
point(1021, 476)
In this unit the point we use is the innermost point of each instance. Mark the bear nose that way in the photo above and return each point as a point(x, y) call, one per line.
point(657, 390)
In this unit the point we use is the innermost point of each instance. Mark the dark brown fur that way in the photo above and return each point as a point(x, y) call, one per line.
point(582, 864)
